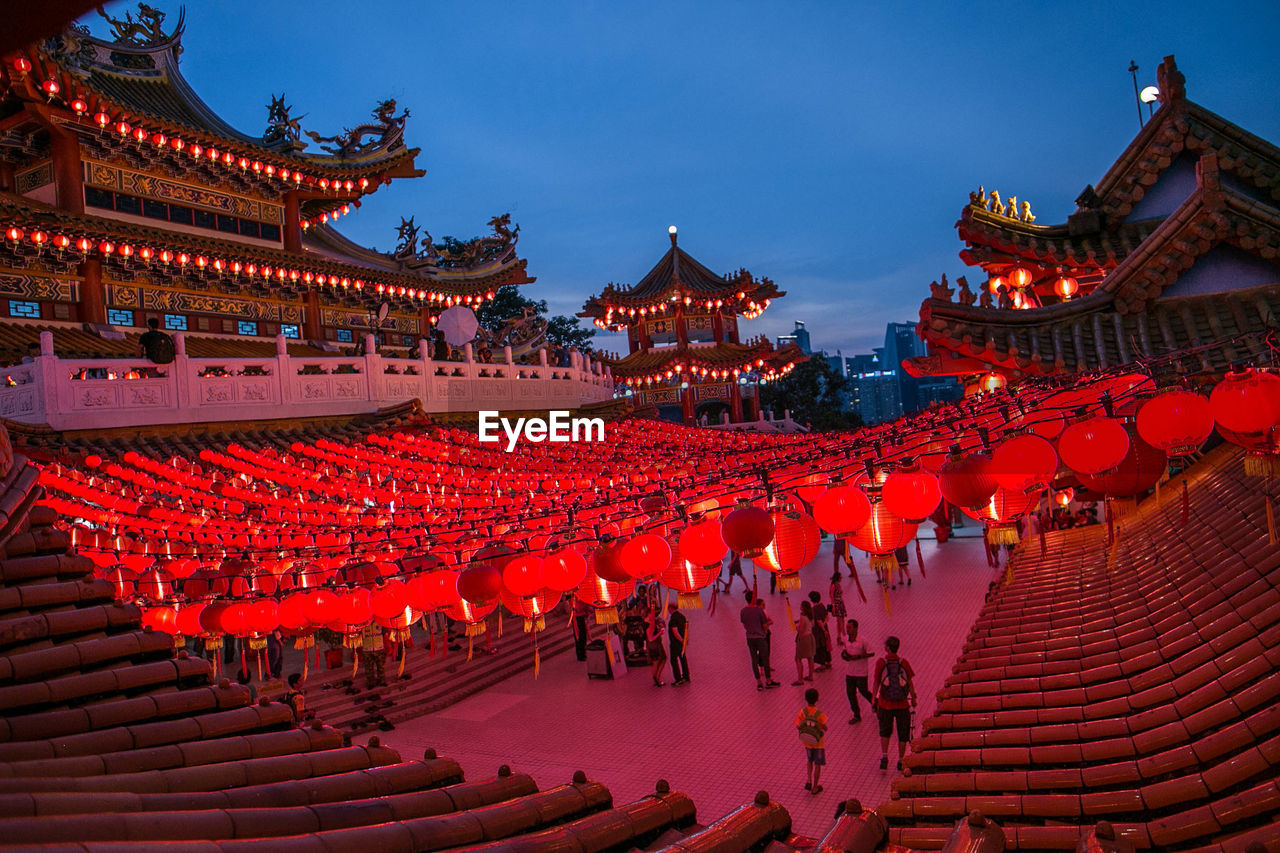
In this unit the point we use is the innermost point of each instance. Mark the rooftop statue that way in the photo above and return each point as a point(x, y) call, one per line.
point(967, 296)
point(146, 31)
point(364, 139)
point(941, 290)
point(282, 127)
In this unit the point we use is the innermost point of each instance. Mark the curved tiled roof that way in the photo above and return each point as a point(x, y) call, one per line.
point(1136, 682)
point(721, 355)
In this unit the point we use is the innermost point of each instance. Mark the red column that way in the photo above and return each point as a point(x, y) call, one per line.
point(311, 328)
point(292, 230)
point(686, 404)
point(682, 334)
point(93, 303)
point(717, 327)
point(67, 174)
point(735, 401)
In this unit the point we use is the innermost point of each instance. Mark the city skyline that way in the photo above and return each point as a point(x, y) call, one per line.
point(828, 148)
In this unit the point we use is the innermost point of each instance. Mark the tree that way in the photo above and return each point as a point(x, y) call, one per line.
point(510, 302)
point(814, 392)
point(569, 332)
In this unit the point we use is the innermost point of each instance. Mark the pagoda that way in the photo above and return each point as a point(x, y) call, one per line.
point(1172, 255)
point(124, 197)
point(685, 357)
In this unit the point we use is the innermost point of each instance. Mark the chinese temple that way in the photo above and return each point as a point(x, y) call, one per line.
point(124, 197)
point(686, 358)
point(1173, 250)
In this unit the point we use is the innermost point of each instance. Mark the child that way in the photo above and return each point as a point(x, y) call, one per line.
point(295, 698)
point(812, 725)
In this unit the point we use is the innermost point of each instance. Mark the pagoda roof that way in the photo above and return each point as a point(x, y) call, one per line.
point(679, 274)
point(325, 253)
point(137, 78)
point(721, 356)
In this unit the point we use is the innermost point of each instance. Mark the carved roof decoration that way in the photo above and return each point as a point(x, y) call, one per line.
point(679, 277)
point(136, 78)
point(326, 255)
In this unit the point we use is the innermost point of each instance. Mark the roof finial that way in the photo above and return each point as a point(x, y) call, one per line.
point(672, 232)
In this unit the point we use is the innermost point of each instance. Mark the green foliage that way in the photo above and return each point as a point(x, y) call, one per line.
point(510, 302)
point(814, 392)
point(569, 332)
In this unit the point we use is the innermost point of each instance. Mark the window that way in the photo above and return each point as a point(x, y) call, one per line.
point(344, 335)
point(205, 219)
point(154, 209)
point(406, 340)
point(247, 327)
point(289, 330)
point(129, 204)
point(248, 228)
point(202, 323)
point(120, 317)
point(94, 197)
point(271, 232)
point(228, 224)
point(175, 321)
point(19, 308)
point(181, 215)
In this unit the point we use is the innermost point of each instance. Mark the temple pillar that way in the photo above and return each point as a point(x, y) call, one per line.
point(311, 327)
point(425, 328)
point(735, 401)
point(292, 229)
point(93, 301)
point(68, 176)
point(686, 404)
point(682, 334)
point(717, 327)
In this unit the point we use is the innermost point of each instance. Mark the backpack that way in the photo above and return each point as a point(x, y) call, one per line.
point(894, 681)
point(297, 702)
point(159, 348)
point(810, 730)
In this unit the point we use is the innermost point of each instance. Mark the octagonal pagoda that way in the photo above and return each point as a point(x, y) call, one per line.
point(685, 356)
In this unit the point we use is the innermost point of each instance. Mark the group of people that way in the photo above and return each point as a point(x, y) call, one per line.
point(643, 626)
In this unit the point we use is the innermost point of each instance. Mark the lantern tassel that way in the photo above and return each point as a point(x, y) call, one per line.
point(1271, 521)
point(791, 618)
point(404, 653)
point(305, 658)
point(244, 661)
point(986, 546)
point(1111, 521)
point(920, 558)
point(853, 572)
point(537, 657)
point(355, 663)
point(692, 600)
point(470, 646)
point(1186, 503)
point(259, 656)
point(499, 623)
point(884, 593)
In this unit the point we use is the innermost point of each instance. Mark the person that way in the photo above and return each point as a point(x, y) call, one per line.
point(855, 677)
point(155, 345)
point(904, 567)
point(735, 571)
point(838, 611)
point(441, 349)
point(821, 633)
point(657, 654)
point(678, 639)
point(373, 654)
point(755, 622)
point(245, 680)
point(33, 352)
point(811, 724)
point(804, 643)
point(578, 621)
point(275, 654)
point(296, 698)
point(894, 697)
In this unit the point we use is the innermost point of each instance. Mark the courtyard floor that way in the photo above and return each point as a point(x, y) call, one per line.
point(717, 739)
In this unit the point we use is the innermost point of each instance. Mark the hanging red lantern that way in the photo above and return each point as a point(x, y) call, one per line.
point(531, 608)
point(1002, 513)
point(604, 595)
point(796, 540)
point(688, 579)
point(1063, 497)
point(1020, 277)
point(606, 560)
point(841, 509)
point(387, 600)
point(522, 576)
point(1141, 468)
point(967, 480)
point(292, 613)
point(644, 556)
point(1065, 286)
point(163, 619)
point(747, 530)
point(472, 617)
point(910, 493)
point(1246, 401)
point(480, 584)
point(1024, 463)
point(702, 544)
point(321, 607)
point(263, 616)
point(1094, 445)
point(564, 570)
point(883, 534)
point(1178, 422)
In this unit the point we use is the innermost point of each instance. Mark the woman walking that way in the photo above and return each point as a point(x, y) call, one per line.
point(838, 611)
point(805, 644)
point(653, 640)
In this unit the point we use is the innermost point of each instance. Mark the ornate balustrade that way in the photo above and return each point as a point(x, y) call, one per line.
point(69, 394)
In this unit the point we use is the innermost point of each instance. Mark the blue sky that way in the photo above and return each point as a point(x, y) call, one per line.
point(827, 145)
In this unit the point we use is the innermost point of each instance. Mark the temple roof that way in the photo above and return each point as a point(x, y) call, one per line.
point(759, 355)
point(326, 253)
point(137, 78)
point(679, 274)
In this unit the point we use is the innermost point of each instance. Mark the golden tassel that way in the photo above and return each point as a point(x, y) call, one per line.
point(404, 653)
point(791, 618)
point(528, 624)
point(690, 601)
point(1271, 521)
point(257, 644)
point(789, 582)
point(606, 616)
point(470, 646)
point(1003, 534)
point(884, 591)
point(355, 663)
point(499, 623)
point(304, 665)
point(1162, 476)
point(474, 629)
point(537, 662)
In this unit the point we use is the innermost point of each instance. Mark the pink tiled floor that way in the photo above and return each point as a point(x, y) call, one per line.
point(717, 739)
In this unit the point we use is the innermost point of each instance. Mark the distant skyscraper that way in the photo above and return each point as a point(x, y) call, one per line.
point(799, 337)
point(882, 390)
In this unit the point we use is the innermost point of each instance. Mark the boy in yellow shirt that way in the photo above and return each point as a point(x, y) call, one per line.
point(811, 724)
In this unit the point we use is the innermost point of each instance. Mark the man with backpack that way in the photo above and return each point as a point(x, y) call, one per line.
point(811, 724)
point(893, 699)
point(155, 345)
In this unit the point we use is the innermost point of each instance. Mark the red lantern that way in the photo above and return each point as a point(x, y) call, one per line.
point(1020, 277)
point(532, 608)
point(1063, 497)
point(292, 613)
point(321, 607)
point(688, 580)
point(1002, 513)
point(702, 544)
point(796, 540)
point(1141, 468)
point(1094, 445)
point(606, 561)
point(1246, 401)
point(234, 620)
point(604, 595)
point(388, 600)
point(644, 556)
point(1024, 463)
point(564, 570)
point(967, 481)
point(1177, 422)
point(522, 576)
point(883, 533)
point(162, 619)
point(480, 584)
point(1066, 287)
point(841, 509)
point(263, 617)
point(747, 530)
point(910, 493)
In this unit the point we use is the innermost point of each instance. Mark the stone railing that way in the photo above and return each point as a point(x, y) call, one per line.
point(101, 393)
